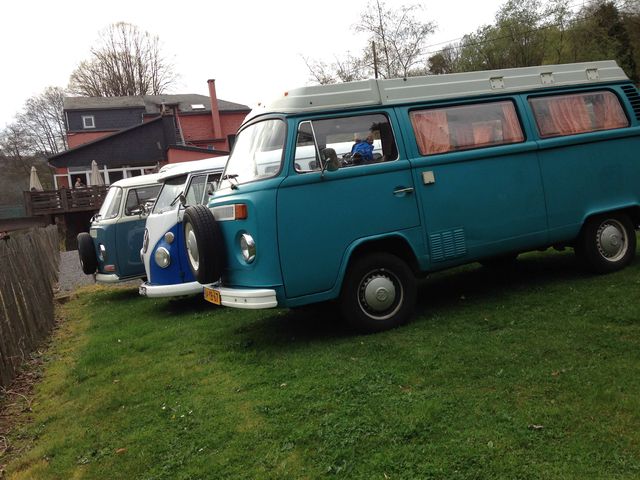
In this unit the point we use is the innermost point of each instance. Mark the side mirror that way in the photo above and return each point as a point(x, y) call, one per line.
point(331, 162)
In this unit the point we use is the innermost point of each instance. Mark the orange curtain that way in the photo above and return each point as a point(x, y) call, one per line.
point(614, 116)
point(432, 131)
point(511, 131)
point(483, 135)
point(569, 115)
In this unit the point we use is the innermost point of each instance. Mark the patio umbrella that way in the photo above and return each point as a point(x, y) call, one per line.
point(96, 177)
point(34, 181)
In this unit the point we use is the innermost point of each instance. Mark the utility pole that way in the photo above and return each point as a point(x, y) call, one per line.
point(375, 59)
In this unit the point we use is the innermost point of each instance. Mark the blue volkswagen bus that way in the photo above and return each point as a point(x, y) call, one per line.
point(466, 167)
point(163, 249)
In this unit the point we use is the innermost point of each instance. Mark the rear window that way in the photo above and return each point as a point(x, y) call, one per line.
point(440, 130)
point(560, 115)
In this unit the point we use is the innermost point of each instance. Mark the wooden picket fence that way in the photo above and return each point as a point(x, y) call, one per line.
point(29, 264)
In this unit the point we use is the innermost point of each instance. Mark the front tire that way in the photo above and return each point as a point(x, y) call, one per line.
point(87, 253)
point(203, 240)
point(379, 293)
point(607, 243)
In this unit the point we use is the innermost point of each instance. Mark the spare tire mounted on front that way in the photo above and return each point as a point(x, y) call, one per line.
point(203, 240)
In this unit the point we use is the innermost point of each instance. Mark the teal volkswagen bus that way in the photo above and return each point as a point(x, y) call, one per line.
point(465, 167)
point(111, 249)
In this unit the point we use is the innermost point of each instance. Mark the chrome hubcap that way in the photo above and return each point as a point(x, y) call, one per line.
point(612, 240)
point(380, 294)
point(192, 247)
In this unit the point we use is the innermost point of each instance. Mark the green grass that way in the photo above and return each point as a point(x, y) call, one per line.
point(533, 373)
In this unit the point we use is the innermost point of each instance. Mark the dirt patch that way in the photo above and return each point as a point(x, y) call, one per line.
point(16, 399)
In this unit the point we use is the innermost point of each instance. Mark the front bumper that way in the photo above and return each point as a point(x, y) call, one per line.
point(248, 298)
point(175, 290)
point(113, 278)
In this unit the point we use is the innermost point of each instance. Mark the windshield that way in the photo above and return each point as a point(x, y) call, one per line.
point(111, 205)
point(170, 190)
point(256, 154)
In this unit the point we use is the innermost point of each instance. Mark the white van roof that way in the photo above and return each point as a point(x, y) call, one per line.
point(176, 169)
point(137, 181)
point(435, 87)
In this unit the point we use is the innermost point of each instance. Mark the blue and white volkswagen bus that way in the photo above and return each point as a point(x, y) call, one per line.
point(477, 166)
point(163, 249)
point(111, 249)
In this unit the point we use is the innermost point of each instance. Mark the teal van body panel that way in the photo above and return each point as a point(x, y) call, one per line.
point(411, 237)
point(319, 216)
point(582, 179)
point(478, 202)
point(260, 199)
point(128, 236)
point(105, 235)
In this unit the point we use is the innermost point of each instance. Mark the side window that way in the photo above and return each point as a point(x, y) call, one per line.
point(212, 185)
point(440, 130)
point(355, 140)
point(140, 197)
point(571, 114)
point(195, 192)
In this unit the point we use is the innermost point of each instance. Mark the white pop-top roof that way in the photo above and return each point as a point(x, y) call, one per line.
point(436, 87)
point(172, 170)
point(137, 181)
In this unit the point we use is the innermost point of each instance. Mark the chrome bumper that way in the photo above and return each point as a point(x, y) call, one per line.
point(175, 290)
point(249, 298)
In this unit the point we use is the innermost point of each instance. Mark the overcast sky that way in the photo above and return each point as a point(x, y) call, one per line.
point(253, 49)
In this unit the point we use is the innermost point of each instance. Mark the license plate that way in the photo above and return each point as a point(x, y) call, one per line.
point(211, 295)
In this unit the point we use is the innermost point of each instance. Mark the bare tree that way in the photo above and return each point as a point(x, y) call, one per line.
point(126, 61)
point(399, 38)
point(42, 120)
point(345, 69)
point(15, 147)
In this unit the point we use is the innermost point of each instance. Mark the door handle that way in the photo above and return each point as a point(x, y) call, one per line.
point(402, 191)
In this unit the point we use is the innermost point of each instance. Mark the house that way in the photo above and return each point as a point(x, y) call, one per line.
point(130, 136)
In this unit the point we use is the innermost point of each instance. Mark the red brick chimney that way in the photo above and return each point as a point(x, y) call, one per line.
point(215, 114)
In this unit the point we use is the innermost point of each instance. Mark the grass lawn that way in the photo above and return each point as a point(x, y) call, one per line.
point(533, 373)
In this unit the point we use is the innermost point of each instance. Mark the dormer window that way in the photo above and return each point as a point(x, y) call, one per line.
point(88, 121)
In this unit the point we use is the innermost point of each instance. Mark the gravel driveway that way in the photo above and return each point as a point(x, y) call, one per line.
point(71, 275)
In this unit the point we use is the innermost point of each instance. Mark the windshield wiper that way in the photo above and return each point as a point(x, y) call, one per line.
point(232, 176)
point(173, 202)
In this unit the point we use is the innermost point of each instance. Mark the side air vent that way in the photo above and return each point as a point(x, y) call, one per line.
point(634, 98)
point(448, 244)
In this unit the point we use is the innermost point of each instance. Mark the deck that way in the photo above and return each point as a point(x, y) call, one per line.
point(52, 202)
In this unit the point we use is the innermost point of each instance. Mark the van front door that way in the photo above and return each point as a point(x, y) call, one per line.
point(130, 230)
point(478, 182)
point(322, 213)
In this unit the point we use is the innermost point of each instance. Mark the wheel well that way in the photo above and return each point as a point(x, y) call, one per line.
point(632, 212)
point(395, 245)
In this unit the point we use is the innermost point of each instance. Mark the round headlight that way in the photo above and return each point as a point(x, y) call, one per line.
point(168, 237)
point(248, 247)
point(163, 259)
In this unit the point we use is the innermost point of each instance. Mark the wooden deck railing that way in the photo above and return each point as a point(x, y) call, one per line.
point(64, 200)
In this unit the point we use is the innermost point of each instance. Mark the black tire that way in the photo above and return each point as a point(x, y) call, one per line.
point(87, 253)
point(378, 293)
point(203, 240)
point(607, 242)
